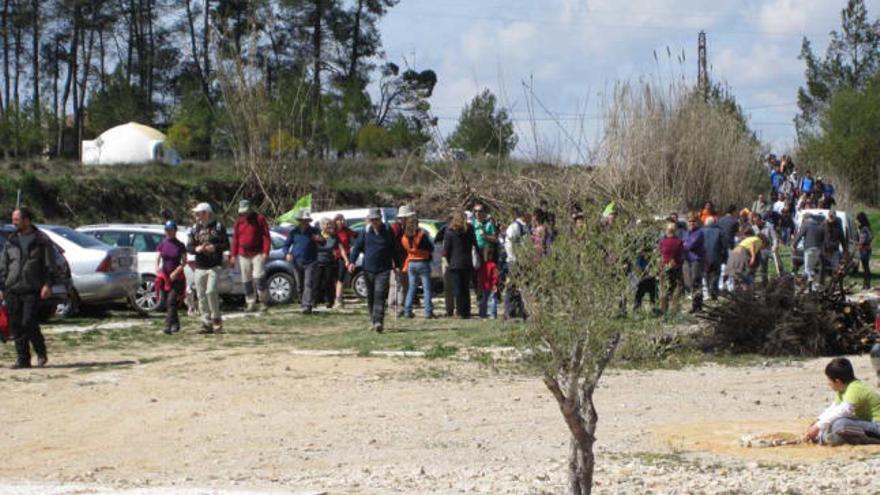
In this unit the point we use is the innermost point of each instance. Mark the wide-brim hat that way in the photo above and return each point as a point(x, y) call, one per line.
point(374, 214)
point(203, 207)
point(304, 214)
point(244, 206)
point(405, 211)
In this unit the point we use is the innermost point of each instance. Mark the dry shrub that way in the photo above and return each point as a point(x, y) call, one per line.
point(670, 149)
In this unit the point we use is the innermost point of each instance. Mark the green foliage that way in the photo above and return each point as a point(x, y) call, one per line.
point(482, 128)
point(117, 103)
point(374, 141)
point(192, 126)
point(20, 133)
point(847, 144)
point(851, 60)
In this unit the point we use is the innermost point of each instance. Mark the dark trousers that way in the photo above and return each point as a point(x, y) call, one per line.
point(24, 325)
point(448, 292)
point(866, 267)
point(513, 303)
point(171, 300)
point(377, 294)
point(461, 288)
point(713, 275)
point(647, 287)
point(327, 275)
point(695, 272)
point(306, 283)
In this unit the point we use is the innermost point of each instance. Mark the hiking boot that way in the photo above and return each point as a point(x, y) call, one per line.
point(175, 328)
point(307, 311)
point(378, 327)
point(167, 331)
point(218, 326)
point(20, 366)
point(42, 359)
point(251, 307)
point(409, 316)
point(207, 328)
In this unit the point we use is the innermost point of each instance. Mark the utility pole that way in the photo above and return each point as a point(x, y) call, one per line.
point(702, 71)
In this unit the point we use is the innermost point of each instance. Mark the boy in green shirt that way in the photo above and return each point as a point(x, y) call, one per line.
point(854, 417)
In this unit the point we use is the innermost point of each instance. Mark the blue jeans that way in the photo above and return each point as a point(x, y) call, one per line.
point(852, 432)
point(419, 270)
point(488, 303)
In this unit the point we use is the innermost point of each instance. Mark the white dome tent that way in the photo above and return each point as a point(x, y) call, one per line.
point(130, 143)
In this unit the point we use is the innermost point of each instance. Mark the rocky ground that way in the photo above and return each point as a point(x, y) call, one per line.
point(233, 419)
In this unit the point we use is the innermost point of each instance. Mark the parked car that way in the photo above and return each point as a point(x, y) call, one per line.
point(58, 301)
point(352, 216)
point(358, 283)
point(846, 221)
point(144, 238)
point(100, 273)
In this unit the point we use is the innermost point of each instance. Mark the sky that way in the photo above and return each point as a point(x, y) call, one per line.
point(553, 62)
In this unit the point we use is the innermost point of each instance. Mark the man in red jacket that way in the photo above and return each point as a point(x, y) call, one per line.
point(251, 244)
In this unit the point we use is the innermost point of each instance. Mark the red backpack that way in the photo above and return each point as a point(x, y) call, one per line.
point(4, 324)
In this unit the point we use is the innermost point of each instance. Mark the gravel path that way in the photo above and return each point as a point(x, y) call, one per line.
point(285, 422)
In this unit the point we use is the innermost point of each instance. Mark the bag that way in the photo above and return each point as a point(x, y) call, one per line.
point(5, 334)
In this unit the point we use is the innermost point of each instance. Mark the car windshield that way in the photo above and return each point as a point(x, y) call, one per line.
point(78, 238)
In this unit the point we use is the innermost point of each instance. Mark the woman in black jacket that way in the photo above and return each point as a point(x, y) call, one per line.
point(459, 243)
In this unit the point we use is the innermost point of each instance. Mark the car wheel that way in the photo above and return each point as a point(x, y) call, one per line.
point(281, 287)
point(69, 308)
point(359, 284)
point(145, 299)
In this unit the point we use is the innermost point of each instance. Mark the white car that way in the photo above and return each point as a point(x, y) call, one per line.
point(144, 238)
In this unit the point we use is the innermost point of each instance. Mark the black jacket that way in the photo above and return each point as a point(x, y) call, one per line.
point(378, 248)
point(834, 238)
point(214, 233)
point(458, 246)
point(27, 272)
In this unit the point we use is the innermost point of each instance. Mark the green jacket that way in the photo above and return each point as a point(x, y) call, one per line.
point(27, 272)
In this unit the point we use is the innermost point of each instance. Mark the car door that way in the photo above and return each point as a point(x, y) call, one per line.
point(145, 244)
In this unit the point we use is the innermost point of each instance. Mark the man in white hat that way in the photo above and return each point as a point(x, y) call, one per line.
point(399, 282)
point(377, 245)
point(251, 243)
point(207, 241)
point(302, 251)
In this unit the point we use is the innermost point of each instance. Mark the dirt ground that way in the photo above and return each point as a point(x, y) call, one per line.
point(283, 421)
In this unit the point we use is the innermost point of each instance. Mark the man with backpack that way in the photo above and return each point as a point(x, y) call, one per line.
point(517, 232)
point(251, 244)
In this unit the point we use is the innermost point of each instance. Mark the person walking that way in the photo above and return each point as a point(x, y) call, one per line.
point(327, 264)
point(865, 239)
point(417, 266)
point(516, 232)
point(251, 244)
point(671, 250)
point(813, 234)
point(835, 248)
point(448, 293)
point(399, 281)
point(346, 237)
point(170, 279)
point(377, 244)
point(27, 273)
point(302, 251)
point(458, 246)
point(488, 280)
point(715, 255)
point(695, 253)
point(208, 240)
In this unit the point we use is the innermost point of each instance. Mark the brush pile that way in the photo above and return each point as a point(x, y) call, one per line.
point(783, 319)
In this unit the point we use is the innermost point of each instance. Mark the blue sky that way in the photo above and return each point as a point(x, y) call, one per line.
point(571, 52)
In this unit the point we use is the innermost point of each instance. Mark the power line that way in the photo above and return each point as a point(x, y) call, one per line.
point(658, 27)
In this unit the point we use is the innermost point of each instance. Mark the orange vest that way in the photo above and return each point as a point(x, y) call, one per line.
point(413, 253)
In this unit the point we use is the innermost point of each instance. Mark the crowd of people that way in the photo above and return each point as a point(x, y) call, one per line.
point(707, 253)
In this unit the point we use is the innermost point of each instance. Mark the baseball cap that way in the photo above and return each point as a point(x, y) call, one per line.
point(203, 207)
point(244, 206)
point(170, 225)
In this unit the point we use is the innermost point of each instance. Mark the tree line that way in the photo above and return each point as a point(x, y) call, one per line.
point(73, 68)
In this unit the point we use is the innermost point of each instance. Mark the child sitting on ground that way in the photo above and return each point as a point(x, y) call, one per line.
point(854, 417)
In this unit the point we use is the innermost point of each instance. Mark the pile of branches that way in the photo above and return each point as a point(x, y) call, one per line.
point(784, 319)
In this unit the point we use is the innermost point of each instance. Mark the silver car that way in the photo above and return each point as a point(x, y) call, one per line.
point(144, 238)
point(100, 273)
